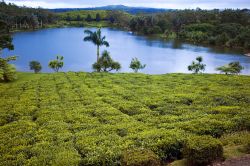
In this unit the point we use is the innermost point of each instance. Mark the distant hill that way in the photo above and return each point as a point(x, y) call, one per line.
point(131, 10)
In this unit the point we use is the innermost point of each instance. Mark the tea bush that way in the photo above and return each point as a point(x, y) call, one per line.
point(202, 150)
point(95, 118)
point(139, 157)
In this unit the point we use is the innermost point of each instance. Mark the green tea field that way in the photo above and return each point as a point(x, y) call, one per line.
point(101, 119)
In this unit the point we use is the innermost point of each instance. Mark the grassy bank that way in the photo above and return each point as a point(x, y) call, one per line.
point(93, 118)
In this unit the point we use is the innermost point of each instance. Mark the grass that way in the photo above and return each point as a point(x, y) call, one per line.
point(92, 118)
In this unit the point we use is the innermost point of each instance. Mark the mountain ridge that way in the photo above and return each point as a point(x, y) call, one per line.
point(131, 10)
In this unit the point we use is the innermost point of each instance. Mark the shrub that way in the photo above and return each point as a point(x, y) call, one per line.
point(202, 150)
point(7, 71)
point(105, 63)
point(231, 68)
point(136, 65)
point(197, 67)
point(56, 64)
point(36, 66)
point(196, 36)
point(140, 157)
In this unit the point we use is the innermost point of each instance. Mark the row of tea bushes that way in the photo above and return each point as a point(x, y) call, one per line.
point(118, 119)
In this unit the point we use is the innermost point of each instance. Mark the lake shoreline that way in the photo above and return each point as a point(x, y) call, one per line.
point(156, 36)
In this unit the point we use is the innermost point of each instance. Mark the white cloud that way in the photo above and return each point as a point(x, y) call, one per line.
point(175, 4)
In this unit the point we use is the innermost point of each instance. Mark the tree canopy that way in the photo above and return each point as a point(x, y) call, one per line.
point(106, 63)
point(197, 67)
point(136, 65)
point(57, 63)
point(97, 39)
point(231, 68)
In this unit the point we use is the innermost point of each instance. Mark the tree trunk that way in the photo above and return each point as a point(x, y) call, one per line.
point(98, 53)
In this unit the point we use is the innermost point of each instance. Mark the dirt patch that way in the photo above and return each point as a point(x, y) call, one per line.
point(239, 161)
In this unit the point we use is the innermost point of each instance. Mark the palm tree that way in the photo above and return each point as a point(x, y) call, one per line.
point(97, 39)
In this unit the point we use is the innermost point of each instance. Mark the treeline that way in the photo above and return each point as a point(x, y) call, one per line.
point(227, 28)
point(19, 18)
point(230, 28)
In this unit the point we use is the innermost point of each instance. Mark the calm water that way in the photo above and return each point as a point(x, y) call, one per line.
point(159, 56)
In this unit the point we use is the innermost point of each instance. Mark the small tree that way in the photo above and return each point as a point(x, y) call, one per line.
point(106, 63)
point(78, 18)
point(56, 64)
point(231, 68)
point(197, 67)
point(136, 65)
point(98, 17)
point(36, 66)
point(88, 18)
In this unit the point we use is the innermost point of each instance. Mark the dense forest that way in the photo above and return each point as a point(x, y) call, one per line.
point(21, 18)
point(227, 28)
point(230, 28)
point(224, 28)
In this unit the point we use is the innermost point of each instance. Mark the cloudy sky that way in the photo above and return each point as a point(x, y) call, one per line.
point(174, 4)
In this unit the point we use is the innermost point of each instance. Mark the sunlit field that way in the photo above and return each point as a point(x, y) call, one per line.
point(95, 118)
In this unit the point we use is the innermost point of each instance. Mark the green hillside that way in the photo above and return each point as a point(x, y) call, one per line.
point(78, 18)
point(96, 118)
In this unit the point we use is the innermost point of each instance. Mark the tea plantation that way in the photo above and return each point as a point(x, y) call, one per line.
point(120, 119)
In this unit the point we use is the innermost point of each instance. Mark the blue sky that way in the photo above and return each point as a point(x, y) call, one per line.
point(174, 4)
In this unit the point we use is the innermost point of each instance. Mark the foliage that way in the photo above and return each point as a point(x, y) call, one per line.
point(138, 157)
point(7, 71)
point(98, 17)
point(202, 150)
point(88, 18)
point(56, 64)
point(136, 65)
point(105, 63)
point(5, 37)
point(19, 18)
point(236, 138)
point(231, 68)
point(197, 67)
point(93, 118)
point(119, 18)
point(36, 66)
point(196, 26)
point(97, 39)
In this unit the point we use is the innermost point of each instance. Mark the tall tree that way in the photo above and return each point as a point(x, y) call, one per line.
point(97, 39)
point(34, 22)
point(98, 17)
point(88, 18)
point(5, 37)
point(7, 71)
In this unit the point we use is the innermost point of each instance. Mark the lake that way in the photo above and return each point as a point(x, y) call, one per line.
point(160, 56)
